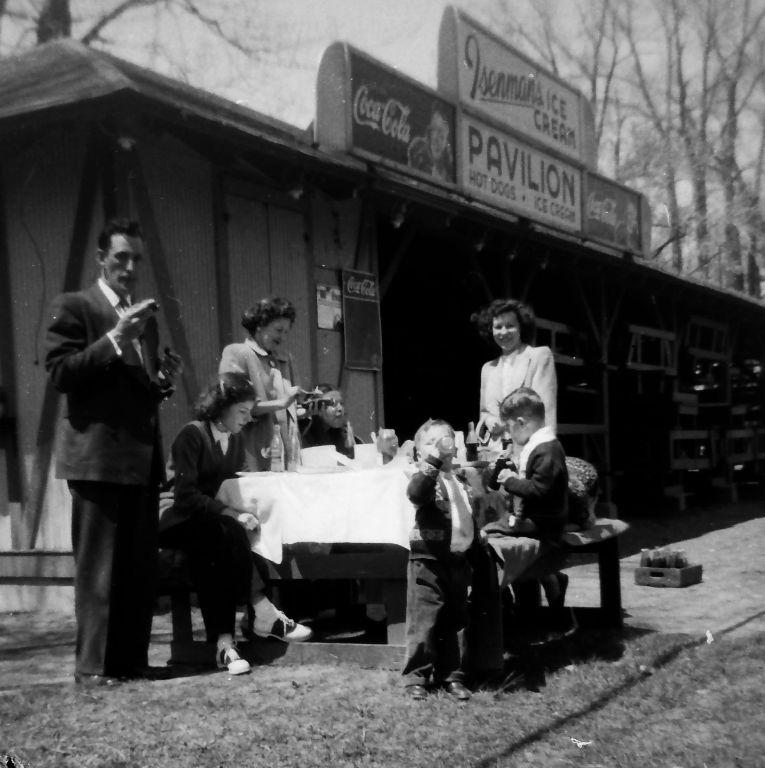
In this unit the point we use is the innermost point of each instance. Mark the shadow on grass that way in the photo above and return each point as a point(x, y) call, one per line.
point(670, 527)
point(580, 649)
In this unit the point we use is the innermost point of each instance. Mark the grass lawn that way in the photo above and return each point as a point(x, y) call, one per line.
point(643, 701)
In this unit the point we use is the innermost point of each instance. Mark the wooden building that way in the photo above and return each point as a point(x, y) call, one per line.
point(660, 377)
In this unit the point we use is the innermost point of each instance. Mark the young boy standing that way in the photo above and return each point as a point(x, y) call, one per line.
point(439, 573)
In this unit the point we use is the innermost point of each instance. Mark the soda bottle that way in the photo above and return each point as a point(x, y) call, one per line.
point(471, 443)
point(293, 455)
point(350, 439)
point(277, 450)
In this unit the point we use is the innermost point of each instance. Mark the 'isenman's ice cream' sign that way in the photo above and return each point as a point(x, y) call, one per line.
point(486, 74)
point(510, 174)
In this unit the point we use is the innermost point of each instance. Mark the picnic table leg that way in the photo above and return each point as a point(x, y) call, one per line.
point(394, 597)
point(610, 584)
point(180, 607)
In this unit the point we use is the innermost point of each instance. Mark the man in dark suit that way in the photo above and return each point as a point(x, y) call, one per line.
point(101, 352)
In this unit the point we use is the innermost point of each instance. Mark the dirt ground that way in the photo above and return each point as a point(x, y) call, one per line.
point(727, 540)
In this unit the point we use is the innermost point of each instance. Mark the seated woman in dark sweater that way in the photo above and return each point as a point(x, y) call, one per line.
point(326, 422)
point(215, 537)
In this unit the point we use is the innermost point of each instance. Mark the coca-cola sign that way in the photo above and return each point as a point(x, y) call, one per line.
point(397, 121)
point(389, 117)
point(362, 287)
point(612, 214)
point(361, 327)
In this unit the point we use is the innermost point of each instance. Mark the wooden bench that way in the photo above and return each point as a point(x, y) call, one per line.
point(380, 569)
point(602, 539)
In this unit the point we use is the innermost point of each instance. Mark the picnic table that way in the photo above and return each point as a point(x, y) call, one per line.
point(333, 524)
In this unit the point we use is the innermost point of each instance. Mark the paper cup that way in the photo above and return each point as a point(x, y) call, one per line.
point(319, 456)
point(366, 455)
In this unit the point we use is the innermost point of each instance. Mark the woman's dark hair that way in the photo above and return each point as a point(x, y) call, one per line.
point(227, 390)
point(266, 311)
point(484, 318)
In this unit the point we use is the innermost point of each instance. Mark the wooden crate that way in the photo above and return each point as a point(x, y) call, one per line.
point(668, 577)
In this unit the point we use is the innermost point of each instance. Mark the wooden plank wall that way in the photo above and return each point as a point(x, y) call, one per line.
point(43, 176)
point(179, 184)
point(342, 240)
point(266, 243)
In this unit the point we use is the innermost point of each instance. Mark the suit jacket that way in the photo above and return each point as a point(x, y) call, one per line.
point(544, 490)
point(110, 432)
point(268, 380)
point(431, 537)
point(531, 367)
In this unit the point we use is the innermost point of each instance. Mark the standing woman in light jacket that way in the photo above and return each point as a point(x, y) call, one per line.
point(511, 325)
point(267, 324)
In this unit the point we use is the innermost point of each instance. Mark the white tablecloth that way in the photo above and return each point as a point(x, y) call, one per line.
point(355, 507)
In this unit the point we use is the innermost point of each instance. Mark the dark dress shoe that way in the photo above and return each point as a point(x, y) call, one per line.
point(95, 681)
point(416, 692)
point(457, 690)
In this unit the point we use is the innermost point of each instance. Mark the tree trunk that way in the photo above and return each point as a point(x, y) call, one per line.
point(54, 22)
point(734, 266)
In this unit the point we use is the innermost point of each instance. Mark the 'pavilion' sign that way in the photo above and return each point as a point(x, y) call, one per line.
point(510, 174)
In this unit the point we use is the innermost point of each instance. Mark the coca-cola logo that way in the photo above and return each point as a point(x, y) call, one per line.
point(361, 286)
point(602, 209)
point(388, 116)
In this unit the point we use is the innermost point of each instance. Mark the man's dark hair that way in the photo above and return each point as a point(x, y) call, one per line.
point(523, 401)
point(119, 226)
point(266, 311)
point(527, 322)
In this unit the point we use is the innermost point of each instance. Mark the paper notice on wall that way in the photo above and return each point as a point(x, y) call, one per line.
point(329, 310)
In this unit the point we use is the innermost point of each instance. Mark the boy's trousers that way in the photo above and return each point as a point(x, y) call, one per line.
point(436, 614)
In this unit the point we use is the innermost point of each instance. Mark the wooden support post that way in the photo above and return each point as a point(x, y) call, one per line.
point(163, 277)
point(78, 248)
point(394, 597)
point(222, 262)
point(10, 441)
point(398, 257)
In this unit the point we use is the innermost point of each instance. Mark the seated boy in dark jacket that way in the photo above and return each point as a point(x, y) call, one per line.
point(540, 483)
point(439, 572)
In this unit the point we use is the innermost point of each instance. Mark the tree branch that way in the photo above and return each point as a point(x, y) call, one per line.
point(94, 33)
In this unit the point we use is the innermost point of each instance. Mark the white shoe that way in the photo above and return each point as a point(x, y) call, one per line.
point(284, 628)
point(229, 658)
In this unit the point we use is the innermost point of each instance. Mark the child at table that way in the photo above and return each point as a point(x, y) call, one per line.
point(326, 422)
point(540, 483)
point(439, 572)
point(224, 571)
